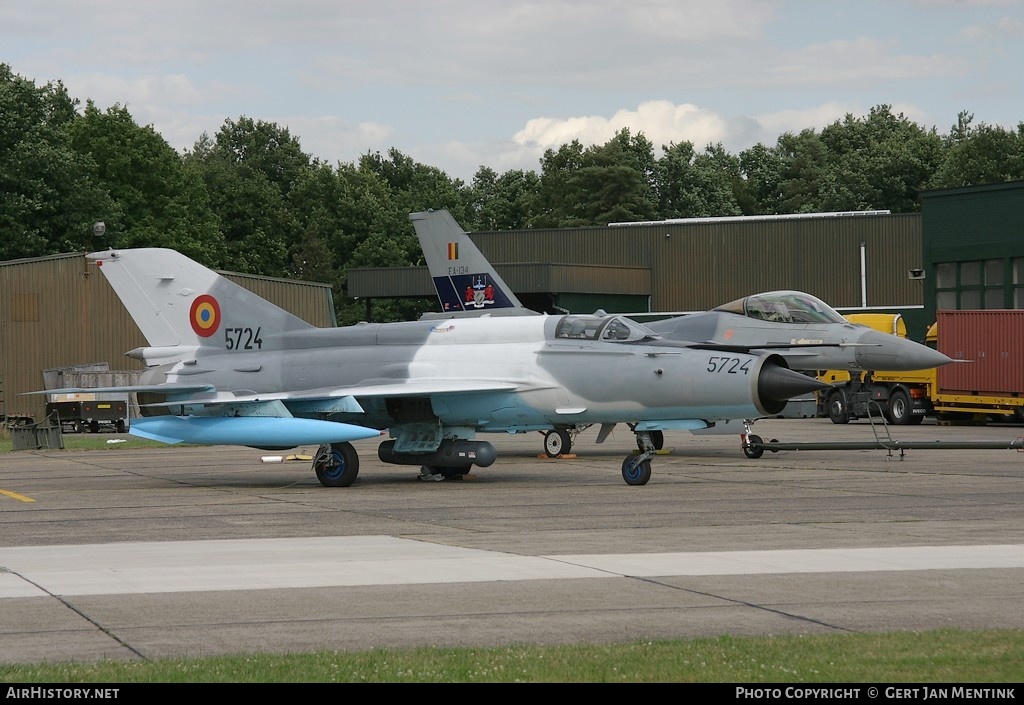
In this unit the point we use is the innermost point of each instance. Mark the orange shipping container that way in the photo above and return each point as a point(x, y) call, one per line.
point(993, 340)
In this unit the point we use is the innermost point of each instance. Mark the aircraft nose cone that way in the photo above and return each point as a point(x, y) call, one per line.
point(779, 384)
point(890, 352)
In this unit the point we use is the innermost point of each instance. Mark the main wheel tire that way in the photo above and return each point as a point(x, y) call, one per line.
point(557, 442)
point(635, 473)
point(837, 410)
point(340, 468)
point(752, 448)
point(899, 408)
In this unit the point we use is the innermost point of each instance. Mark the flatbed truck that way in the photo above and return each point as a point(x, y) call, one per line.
point(78, 416)
point(984, 383)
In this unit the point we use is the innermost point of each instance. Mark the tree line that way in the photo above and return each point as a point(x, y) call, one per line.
point(248, 199)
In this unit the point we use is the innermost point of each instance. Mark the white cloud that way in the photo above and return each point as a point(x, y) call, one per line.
point(661, 121)
point(495, 82)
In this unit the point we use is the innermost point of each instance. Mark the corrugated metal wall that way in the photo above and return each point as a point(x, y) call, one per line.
point(695, 266)
point(56, 312)
point(521, 277)
point(311, 301)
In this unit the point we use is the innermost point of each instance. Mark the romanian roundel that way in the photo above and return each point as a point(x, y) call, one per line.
point(205, 315)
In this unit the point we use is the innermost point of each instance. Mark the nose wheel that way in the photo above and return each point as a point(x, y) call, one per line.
point(752, 447)
point(751, 443)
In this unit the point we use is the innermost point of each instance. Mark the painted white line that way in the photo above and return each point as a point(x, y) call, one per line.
point(818, 560)
point(192, 566)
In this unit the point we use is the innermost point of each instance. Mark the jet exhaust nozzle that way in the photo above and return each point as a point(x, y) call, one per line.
point(777, 384)
point(451, 453)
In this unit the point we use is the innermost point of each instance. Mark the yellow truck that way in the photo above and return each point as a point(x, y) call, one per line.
point(985, 383)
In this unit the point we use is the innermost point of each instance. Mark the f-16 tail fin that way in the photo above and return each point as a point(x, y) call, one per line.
point(465, 281)
point(178, 303)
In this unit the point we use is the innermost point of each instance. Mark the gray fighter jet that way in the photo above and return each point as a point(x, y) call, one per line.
point(808, 333)
point(224, 366)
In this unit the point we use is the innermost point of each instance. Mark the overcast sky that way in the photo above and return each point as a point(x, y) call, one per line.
point(460, 84)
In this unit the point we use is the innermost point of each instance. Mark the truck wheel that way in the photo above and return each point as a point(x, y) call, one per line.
point(837, 410)
point(899, 408)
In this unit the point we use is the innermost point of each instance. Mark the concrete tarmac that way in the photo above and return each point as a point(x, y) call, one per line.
point(184, 552)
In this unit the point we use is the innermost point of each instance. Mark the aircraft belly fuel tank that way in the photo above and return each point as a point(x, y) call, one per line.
point(451, 453)
point(266, 432)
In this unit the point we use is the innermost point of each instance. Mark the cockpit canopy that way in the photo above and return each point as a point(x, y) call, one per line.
point(597, 327)
point(784, 307)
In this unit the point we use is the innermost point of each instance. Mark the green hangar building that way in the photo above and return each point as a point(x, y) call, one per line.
point(973, 249)
point(854, 261)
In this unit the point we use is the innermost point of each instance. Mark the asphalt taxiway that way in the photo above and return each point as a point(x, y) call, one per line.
point(158, 552)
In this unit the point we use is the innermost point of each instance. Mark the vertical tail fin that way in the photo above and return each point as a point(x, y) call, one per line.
point(178, 302)
point(463, 278)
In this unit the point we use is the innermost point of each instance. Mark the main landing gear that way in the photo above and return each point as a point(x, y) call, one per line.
point(559, 441)
point(336, 465)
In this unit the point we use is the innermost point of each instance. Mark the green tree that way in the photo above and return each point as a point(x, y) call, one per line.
point(761, 189)
point(249, 169)
point(160, 201)
point(337, 208)
point(597, 185)
point(878, 162)
point(692, 185)
point(804, 160)
point(616, 184)
point(415, 186)
point(264, 147)
point(501, 202)
point(558, 199)
point(982, 154)
point(391, 239)
point(49, 195)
